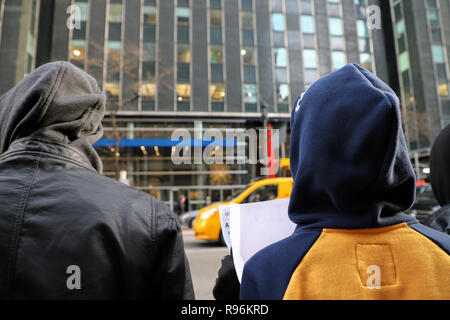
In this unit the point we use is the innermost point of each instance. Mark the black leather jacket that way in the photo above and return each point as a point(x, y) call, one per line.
point(67, 232)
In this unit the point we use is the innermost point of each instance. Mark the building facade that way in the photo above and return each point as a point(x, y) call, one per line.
point(422, 33)
point(200, 64)
point(18, 40)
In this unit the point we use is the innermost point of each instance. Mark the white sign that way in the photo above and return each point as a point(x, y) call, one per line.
point(254, 226)
point(224, 213)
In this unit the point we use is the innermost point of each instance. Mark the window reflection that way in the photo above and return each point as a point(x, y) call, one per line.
point(336, 28)
point(338, 59)
point(183, 15)
point(184, 53)
point(309, 58)
point(307, 24)
point(278, 22)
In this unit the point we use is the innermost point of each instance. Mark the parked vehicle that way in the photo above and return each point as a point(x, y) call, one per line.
point(188, 218)
point(425, 204)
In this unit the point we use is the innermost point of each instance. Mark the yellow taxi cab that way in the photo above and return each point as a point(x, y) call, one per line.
point(207, 224)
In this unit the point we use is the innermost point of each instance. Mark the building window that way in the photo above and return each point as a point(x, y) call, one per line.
point(149, 33)
point(215, 35)
point(115, 13)
point(249, 73)
point(114, 54)
point(183, 15)
point(441, 71)
point(148, 94)
point(307, 24)
point(183, 72)
point(149, 14)
point(112, 90)
point(433, 18)
point(366, 60)
point(283, 93)
point(183, 87)
point(183, 96)
point(443, 88)
point(280, 57)
point(404, 61)
point(278, 39)
point(148, 87)
point(247, 20)
point(78, 42)
point(217, 91)
point(216, 18)
point(438, 54)
point(183, 3)
point(247, 5)
point(247, 37)
point(114, 57)
point(446, 107)
point(364, 37)
point(148, 70)
point(216, 72)
point(248, 54)
point(149, 52)
point(280, 53)
point(78, 53)
point(250, 98)
point(338, 59)
point(248, 57)
point(306, 6)
point(216, 58)
point(215, 4)
point(309, 59)
point(216, 54)
point(281, 75)
point(336, 28)
point(183, 53)
point(183, 34)
point(278, 22)
point(362, 30)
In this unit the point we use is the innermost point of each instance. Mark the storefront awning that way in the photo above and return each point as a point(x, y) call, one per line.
point(153, 142)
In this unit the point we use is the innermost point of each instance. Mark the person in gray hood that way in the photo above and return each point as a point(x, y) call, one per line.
point(66, 231)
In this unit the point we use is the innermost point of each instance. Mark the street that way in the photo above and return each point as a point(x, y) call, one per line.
point(204, 260)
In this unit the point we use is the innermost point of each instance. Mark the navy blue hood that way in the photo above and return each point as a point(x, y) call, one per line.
point(348, 154)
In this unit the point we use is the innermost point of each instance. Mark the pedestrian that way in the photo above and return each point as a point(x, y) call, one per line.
point(181, 206)
point(227, 284)
point(440, 181)
point(66, 231)
point(353, 178)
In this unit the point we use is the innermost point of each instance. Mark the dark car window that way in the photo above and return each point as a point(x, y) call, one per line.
point(236, 194)
point(263, 193)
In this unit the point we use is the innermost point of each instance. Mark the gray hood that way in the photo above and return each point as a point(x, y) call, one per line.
point(59, 102)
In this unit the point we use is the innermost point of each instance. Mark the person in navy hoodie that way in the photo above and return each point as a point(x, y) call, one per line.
point(353, 180)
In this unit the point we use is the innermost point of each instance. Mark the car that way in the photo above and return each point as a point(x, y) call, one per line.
point(425, 204)
point(188, 218)
point(207, 224)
